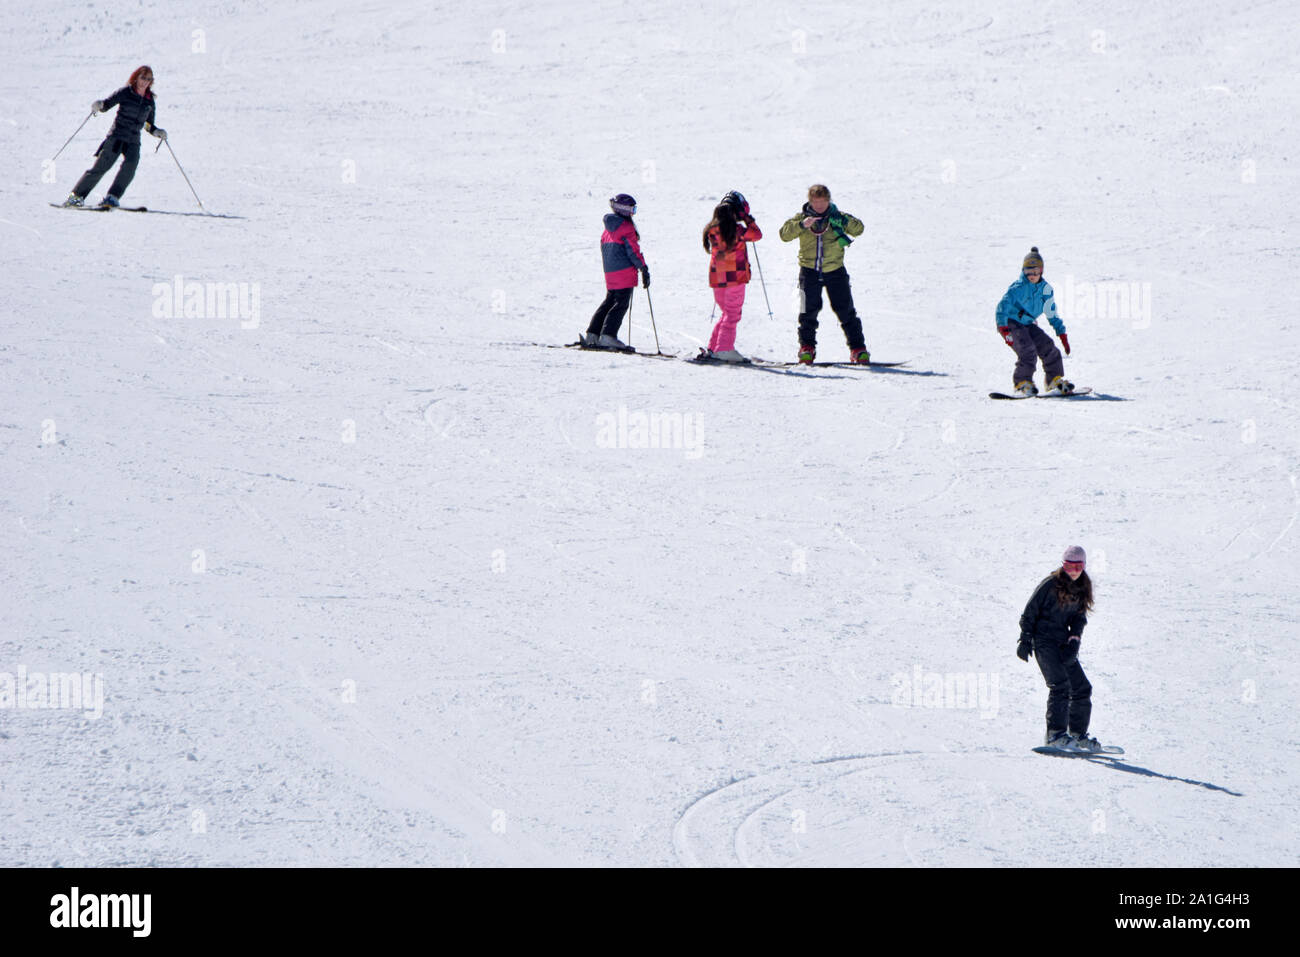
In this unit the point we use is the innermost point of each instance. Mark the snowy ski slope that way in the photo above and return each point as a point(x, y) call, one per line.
point(367, 580)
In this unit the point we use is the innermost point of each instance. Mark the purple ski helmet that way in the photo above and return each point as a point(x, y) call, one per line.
point(623, 204)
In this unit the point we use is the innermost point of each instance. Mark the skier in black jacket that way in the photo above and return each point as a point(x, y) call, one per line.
point(135, 109)
point(1051, 628)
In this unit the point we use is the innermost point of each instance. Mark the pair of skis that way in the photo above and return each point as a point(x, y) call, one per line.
point(629, 351)
point(704, 360)
point(709, 361)
point(104, 208)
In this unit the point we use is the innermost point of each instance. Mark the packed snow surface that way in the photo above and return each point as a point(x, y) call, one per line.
point(365, 578)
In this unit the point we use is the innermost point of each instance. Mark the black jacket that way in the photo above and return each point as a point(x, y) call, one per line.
point(1046, 620)
point(133, 112)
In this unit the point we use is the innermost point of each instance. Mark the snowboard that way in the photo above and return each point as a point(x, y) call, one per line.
point(1079, 390)
point(1057, 752)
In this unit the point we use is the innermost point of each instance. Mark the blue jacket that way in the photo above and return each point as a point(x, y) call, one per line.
point(1025, 301)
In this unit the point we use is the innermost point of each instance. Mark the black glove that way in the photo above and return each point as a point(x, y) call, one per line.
point(1070, 651)
point(1024, 649)
point(645, 277)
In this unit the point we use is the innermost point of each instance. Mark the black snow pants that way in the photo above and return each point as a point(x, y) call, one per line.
point(1069, 695)
point(106, 156)
point(609, 316)
point(841, 296)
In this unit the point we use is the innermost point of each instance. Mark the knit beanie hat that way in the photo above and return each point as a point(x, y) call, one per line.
point(1074, 554)
point(1032, 258)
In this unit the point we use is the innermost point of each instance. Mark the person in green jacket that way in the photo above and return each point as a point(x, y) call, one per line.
point(824, 233)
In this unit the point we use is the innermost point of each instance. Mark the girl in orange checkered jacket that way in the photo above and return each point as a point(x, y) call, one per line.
point(724, 240)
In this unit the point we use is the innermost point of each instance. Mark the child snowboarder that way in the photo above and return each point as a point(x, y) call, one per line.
point(1017, 317)
point(725, 241)
point(824, 233)
point(1051, 628)
point(135, 109)
point(620, 250)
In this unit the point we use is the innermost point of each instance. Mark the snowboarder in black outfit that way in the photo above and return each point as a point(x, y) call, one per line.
point(135, 110)
point(1051, 629)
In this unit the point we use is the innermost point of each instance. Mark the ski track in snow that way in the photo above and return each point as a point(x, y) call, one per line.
point(769, 818)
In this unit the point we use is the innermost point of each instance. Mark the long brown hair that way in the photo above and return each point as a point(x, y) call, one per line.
point(1073, 592)
point(724, 220)
point(135, 75)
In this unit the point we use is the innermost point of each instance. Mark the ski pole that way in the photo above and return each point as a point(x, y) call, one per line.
point(631, 299)
point(182, 169)
point(651, 304)
point(761, 282)
point(71, 138)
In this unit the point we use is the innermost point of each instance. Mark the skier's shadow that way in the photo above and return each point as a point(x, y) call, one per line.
point(791, 372)
point(885, 370)
point(1110, 761)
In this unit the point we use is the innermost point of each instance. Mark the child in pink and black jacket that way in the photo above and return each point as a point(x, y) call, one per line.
point(725, 237)
point(620, 250)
